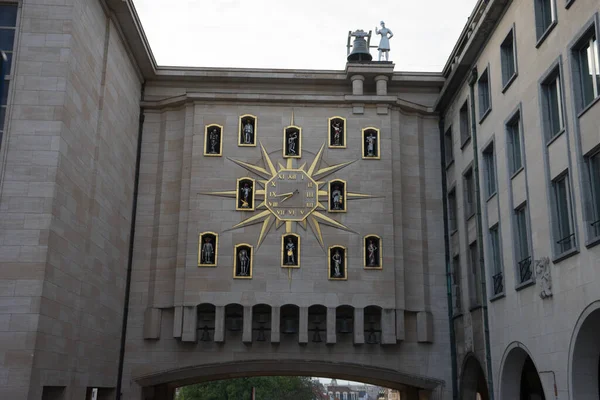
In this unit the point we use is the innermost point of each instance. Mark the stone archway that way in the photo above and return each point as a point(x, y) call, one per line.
point(584, 357)
point(519, 377)
point(473, 384)
point(161, 385)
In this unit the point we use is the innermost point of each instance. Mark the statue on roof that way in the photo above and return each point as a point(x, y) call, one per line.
point(384, 44)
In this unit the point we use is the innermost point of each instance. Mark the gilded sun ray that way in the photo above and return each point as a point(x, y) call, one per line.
point(287, 195)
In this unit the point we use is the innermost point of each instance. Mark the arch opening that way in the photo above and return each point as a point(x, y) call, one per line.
point(520, 378)
point(585, 362)
point(473, 385)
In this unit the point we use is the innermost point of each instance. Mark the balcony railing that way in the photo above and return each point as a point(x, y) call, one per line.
point(525, 271)
point(498, 281)
point(595, 228)
point(566, 243)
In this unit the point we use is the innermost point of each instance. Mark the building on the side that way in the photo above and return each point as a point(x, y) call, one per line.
point(520, 129)
point(433, 233)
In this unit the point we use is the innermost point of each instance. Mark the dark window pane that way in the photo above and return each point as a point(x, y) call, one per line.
point(587, 79)
point(4, 93)
point(7, 38)
point(2, 114)
point(8, 64)
point(8, 15)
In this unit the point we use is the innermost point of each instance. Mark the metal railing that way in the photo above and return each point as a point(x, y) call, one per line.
point(595, 228)
point(498, 282)
point(525, 271)
point(566, 243)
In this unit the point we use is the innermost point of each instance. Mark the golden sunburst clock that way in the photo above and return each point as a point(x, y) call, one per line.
point(289, 195)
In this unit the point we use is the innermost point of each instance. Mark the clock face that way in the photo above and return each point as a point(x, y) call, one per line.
point(291, 195)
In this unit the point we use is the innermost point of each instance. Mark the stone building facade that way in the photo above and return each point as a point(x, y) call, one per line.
point(520, 114)
point(481, 194)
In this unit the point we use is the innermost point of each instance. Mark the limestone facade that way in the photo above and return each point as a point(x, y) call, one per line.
point(530, 316)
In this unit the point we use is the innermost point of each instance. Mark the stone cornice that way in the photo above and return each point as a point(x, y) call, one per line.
point(212, 97)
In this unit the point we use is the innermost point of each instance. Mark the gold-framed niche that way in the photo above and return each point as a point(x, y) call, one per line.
point(336, 196)
point(290, 250)
point(245, 194)
point(337, 263)
point(371, 143)
point(372, 252)
point(208, 249)
point(336, 132)
point(247, 130)
point(213, 140)
point(292, 142)
point(243, 258)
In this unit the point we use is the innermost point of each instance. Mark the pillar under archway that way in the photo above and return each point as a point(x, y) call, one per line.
point(585, 358)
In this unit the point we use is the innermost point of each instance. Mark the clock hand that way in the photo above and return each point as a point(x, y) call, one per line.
point(289, 195)
point(285, 194)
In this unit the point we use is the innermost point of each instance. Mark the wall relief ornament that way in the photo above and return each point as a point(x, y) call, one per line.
point(543, 277)
point(371, 146)
point(337, 133)
point(247, 130)
point(290, 250)
point(372, 252)
point(243, 257)
point(337, 263)
point(213, 140)
point(208, 249)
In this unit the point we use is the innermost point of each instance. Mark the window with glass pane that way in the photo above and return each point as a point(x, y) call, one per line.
point(552, 106)
point(483, 88)
point(469, 193)
point(563, 224)
point(452, 211)
point(448, 150)
point(507, 58)
point(8, 20)
point(589, 69)
point(513, 139)
point(474, 284)
point(496, 262)
point(544, 16)
point(490, 170)
point(522, 251)
point(594, 172)
point(456, 293)
point(465, 129)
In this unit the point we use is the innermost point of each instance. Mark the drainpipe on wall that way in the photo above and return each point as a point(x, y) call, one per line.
point(448, 260)
point(486, 326)
point(136, 182)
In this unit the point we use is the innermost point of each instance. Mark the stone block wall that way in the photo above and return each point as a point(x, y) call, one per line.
point(65, 200)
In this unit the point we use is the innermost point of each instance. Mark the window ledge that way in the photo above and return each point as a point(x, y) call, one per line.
point(569, 4)
point(465, 143)
point(586, 108)
point(592, 242)
point(498, 296)
point(475, 308)
point(453, 232)
point(470, 216)
point(485, 114)
point(565, 255)
point(517, 172)
point(491, 196)
point(545, 34)
point(449, 163)
point(457, 315)
point(556, 136)
point(525, 284)
point(509, 82)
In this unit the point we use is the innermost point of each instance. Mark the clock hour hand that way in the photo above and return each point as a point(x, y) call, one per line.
point(288, 195)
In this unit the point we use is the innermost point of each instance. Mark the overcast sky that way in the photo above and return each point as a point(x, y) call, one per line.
point(301, 34)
